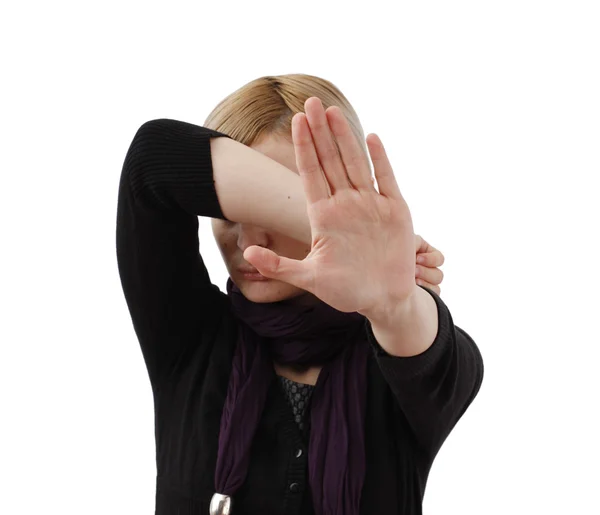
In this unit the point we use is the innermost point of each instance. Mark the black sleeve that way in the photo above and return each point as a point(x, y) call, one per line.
point(165, 184)
point(436, 387)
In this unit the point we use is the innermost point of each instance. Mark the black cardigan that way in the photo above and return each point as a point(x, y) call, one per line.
point(187, 335)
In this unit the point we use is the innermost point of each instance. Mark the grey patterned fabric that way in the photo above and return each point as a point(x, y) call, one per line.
point(298, 396)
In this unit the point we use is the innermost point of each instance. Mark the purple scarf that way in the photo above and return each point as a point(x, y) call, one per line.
point(290, 333)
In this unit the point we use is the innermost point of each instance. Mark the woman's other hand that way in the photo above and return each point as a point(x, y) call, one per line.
point(429, 259)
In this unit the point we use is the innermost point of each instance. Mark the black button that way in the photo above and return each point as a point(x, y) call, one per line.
point(294, 487)
point(298, 453)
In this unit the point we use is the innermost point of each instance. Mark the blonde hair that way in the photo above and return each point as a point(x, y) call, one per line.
point(265, 107)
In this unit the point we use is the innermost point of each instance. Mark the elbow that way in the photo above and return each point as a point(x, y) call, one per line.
point(474, 361)
point(140, 146)
point(141, 153)
point(150, 129)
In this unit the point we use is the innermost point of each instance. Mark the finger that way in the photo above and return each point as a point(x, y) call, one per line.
point(355, 160)
point(421, 245)
point(309, 169)
point(433, 287)
point(427, 254)
point(373, 183)
point(269, 264)
point(383, 169)
point(327, 153)
point(430, 275)
point(431, 259)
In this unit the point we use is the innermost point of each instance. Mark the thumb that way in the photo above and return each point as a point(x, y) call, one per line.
point(271, 265)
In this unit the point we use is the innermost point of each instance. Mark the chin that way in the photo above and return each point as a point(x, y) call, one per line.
point(267, 291)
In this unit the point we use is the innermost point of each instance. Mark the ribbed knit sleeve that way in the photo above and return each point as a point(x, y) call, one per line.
point(436, 387)
point(170, 167)
point(166, 183)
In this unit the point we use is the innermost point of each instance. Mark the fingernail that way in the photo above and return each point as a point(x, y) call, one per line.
point(420, 259)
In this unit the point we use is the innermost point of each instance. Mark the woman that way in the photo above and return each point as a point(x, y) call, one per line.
point(327, 378)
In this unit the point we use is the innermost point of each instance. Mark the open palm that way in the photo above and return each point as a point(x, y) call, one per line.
point(363, 243)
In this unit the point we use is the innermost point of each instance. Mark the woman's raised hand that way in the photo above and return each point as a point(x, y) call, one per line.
point(363, 249)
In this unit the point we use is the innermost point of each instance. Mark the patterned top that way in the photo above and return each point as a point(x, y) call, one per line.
point(298, 396)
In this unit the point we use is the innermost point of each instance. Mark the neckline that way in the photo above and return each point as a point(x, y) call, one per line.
point(295, 382)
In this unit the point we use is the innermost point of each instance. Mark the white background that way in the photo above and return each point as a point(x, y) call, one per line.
point(490, 113)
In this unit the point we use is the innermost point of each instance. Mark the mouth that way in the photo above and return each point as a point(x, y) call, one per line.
point(251, 274)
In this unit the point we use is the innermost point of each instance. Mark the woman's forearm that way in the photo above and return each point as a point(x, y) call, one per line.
point(253, 188)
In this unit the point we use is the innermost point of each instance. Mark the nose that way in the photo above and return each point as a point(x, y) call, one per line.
point(249, 235)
